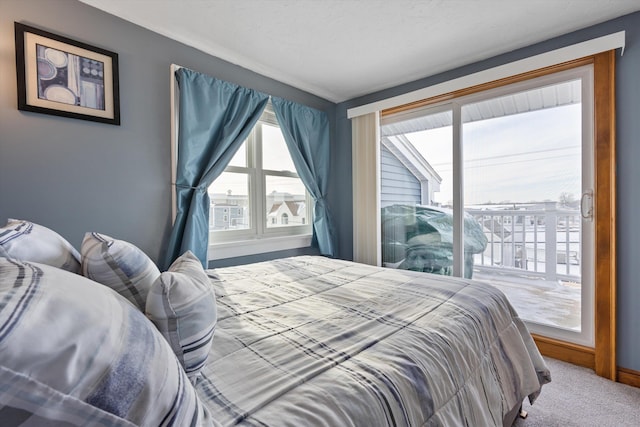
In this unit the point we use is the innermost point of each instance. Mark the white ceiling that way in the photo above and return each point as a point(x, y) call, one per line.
point(341, 49)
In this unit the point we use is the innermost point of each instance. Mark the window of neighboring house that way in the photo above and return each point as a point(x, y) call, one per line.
point(258, 183)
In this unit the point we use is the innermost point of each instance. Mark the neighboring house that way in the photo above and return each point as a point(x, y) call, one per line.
point(228, 211)
point(287, 213)
point(407, 177)
point(226, 217)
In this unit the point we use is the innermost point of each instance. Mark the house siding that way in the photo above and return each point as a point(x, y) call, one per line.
point(398, 185)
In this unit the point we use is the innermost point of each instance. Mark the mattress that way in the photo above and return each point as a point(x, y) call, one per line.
point(313, 341)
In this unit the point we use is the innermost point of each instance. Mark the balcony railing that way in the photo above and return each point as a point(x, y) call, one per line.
point(544, 242)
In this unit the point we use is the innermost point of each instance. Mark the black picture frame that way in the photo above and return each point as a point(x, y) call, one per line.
point(64, 77)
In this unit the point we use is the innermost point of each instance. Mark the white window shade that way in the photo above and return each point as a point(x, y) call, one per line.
point(366, 194)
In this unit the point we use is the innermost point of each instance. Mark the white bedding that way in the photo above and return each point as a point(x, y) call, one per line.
point(309, 341)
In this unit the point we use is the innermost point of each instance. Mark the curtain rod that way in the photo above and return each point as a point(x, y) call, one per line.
point(176, 67)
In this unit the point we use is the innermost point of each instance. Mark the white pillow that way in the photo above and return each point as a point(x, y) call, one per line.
point(119, 265)
point(182, 305)
point(27, 241)
point(73, 352)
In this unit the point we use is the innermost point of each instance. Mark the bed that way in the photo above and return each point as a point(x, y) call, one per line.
point(317, 341)
point(297, 341)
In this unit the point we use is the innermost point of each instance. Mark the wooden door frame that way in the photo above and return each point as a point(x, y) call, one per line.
point(605, 214)
point(602, 357)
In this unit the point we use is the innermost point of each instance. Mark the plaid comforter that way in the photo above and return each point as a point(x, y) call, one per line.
point(309, 341)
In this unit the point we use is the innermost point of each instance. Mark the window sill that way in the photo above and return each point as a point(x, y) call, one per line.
point(225, 250)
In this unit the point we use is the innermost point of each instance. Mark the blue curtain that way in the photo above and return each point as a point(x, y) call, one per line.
point(215, 118)
point(306, 132)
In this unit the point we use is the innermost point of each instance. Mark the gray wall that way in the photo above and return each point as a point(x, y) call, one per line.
point(76, 176)
point(628, 172)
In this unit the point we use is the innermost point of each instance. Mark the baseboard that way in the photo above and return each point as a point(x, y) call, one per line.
point(629, 377)
point(581, 356)
point(566, 352)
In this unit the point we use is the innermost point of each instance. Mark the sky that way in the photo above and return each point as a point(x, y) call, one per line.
point(526, 157)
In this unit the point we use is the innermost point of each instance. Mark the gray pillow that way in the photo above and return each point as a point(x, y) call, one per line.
point(28, 241)
point(119, 265)
point(182, 305)
point(73, 352)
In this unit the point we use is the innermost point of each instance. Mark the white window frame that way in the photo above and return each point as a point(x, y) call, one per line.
point(258, 229)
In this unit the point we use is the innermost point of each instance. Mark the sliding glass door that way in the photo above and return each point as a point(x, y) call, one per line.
point(497, 186)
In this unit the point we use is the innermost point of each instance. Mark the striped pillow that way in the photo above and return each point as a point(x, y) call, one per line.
point(182, 305)
point(118, 265)
point(27, 241)
point(73, 352)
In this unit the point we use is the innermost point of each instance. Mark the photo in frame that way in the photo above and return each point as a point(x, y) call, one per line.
point(60, 76)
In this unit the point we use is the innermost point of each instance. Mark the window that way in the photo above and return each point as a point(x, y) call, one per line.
point(263, 195)
point(523, 161)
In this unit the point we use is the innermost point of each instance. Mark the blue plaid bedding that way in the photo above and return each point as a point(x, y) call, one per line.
point(308, 341)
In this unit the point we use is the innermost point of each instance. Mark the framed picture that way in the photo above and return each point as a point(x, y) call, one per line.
point(64, 77)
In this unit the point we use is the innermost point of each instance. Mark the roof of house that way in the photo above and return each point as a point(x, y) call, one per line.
point(296, 208)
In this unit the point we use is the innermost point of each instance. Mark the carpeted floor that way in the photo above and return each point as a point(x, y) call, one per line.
point(577, 397)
